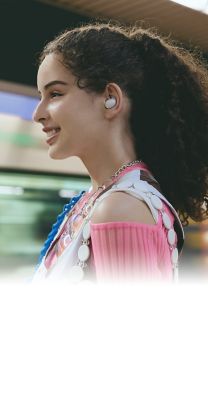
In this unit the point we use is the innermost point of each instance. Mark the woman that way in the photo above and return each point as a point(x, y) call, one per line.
point(134, 109)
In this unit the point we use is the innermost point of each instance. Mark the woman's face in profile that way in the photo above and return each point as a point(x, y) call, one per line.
point(71, 117)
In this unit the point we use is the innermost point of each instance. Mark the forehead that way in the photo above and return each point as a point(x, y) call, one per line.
point(52, 69)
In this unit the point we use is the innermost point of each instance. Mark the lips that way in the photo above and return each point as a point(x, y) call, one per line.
point(51, 139)
point(52, 134)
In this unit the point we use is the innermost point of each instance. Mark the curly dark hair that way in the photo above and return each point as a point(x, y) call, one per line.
point(168, 90)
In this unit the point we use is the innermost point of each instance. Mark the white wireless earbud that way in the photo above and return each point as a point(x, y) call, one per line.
point(110, 103)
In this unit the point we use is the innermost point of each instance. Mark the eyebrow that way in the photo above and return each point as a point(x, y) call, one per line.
point(52, 83)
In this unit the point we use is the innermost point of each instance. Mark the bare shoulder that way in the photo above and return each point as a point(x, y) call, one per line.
point(121, 206)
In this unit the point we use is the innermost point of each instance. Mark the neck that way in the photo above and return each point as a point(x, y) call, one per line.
point(110, 153)
point(102, 175)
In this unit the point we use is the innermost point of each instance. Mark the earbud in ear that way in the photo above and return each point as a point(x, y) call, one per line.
point(111, 102)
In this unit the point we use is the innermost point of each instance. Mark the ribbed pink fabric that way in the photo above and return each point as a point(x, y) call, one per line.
point(131, 250)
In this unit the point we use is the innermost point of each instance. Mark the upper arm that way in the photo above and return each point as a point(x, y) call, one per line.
point(120, 206)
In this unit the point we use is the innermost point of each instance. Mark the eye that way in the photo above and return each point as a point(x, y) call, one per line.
point(55, 94)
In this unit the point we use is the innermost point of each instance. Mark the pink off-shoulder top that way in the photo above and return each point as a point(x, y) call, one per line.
point(119, 250)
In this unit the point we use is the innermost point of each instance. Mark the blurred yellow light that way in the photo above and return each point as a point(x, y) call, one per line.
point(205, 238)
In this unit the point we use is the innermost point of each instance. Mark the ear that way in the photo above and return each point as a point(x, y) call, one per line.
point(113, 90)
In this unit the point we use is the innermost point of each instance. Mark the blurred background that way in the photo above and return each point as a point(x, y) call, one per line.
point(33, 188)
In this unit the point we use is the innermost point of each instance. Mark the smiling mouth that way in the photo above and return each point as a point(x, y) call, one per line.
point(53, 136)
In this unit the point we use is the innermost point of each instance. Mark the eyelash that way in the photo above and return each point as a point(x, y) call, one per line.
point(52, 95)
point(55, 94)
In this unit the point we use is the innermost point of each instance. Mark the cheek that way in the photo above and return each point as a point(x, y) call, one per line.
point(62, 112)
point(54, 108)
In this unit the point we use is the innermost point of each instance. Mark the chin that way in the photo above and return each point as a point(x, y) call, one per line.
point(56, 155)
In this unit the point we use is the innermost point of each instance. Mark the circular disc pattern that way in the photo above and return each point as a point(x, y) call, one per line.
point(83, 252)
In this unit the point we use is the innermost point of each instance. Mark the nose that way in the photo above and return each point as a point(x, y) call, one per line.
point(40, 113)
